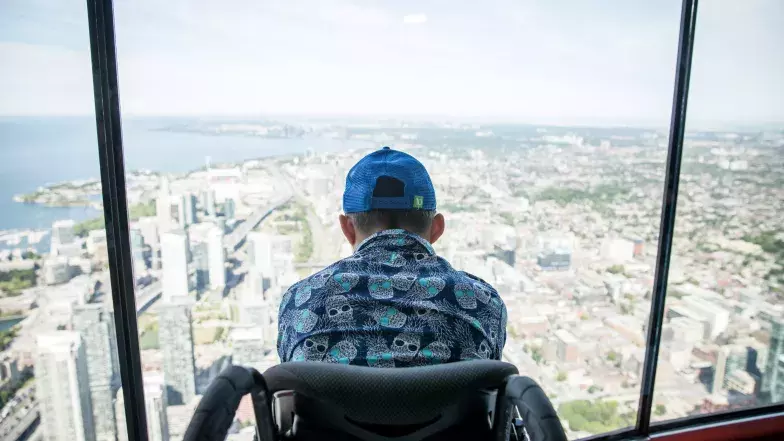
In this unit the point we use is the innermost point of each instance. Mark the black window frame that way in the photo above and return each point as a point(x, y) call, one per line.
point(110, 150)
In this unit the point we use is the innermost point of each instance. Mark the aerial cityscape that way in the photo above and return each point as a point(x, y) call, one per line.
point(562, 221)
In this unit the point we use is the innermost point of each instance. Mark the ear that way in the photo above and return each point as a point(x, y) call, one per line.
point(348, 229)
point(437, 228)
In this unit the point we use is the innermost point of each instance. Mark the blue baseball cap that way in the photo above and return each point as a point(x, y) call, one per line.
point(388, 180)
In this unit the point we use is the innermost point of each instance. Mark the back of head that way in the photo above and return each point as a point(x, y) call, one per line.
point(389, 189)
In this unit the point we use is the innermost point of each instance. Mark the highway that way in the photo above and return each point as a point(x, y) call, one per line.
point(324, 248)
point(152, 292)
point(234, 240)
point(22, 428)
point(23, 416)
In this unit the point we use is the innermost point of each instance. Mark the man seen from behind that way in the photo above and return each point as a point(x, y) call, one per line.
point(393, 302)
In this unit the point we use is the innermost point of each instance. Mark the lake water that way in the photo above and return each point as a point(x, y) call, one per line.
point(38, 151)
point(6, 324)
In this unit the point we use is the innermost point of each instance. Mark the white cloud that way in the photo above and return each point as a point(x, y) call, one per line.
point(415, 19)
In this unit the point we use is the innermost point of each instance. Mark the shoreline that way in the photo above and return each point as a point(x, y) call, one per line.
point(44, 195)
point(24, 199)
point(13, 237)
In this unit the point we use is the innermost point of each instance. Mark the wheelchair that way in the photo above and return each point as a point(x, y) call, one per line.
point(304, 401)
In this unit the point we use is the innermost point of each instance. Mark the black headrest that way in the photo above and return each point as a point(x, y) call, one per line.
point(388, 395)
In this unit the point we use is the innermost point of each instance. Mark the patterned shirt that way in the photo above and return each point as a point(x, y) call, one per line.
point(393, 303)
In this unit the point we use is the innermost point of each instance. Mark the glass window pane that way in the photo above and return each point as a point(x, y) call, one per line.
point(543, 126)
point(59, 372)
point(722, 339)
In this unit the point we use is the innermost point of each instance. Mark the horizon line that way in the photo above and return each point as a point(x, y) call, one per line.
point(530, 121)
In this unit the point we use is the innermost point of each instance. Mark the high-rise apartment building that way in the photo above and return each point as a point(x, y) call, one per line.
point(282, 257)
point(174, 257)
point(217, 258)
point(96, 326)
point(773, 377)
point(56, 270)
point(176, 341)
point(209, 203)
point(137, 251)
point(155, 405)
point(260, 256)
point(63, 387)
point(248, 346)
point(155, 409)
point(229, 208)
point(200, 263)
point(163, 205)
point(96, 242)
point(180, 210)
point(119, 412)
point(190, 209)
point(62, 232)
point(260, 251)
point(63, 239)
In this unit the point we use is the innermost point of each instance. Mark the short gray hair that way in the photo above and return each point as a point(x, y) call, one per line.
point(415, 221)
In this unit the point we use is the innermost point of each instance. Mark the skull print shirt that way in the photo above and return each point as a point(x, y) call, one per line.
point(393, 303)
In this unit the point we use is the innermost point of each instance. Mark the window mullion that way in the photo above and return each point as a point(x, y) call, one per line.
point(110, 150)
point(667, 226)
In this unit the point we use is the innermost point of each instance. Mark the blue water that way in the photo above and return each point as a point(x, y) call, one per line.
point(38, 151)
point(6, 324)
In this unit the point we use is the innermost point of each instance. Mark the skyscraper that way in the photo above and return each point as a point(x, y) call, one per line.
point(217, 258)
point(163, 205)
point(155, 404)
point(247, 347)
point(148, 226)
point(720, 370)
point(260, 251)
point(96, 239)
point(56, 270)
point(190, 209)
point(182, 217)
point(254, 285)
point(282, 257)
point(119, 412)
point(174, 255)
point(220, 221)
point(96, 326)
point(63, 238)
point(229, 208)
point(777, 387)
point(62, 387)
point(203, 200)
point(209, 203)
point(155, 409)
point(773, 383)
point(200, 263)
point(176, 341)
point(137, 251)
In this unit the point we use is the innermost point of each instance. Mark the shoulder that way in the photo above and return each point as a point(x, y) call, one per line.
point(485, 291)
point(320, 278)
point(475, 280)
point(465, 277)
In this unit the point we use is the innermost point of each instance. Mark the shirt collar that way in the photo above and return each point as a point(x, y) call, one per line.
point(387, 237)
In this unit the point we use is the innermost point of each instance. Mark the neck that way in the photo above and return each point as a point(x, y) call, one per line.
point(360, 239)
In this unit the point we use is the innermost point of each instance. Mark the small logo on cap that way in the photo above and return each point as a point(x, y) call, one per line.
point(418, 201)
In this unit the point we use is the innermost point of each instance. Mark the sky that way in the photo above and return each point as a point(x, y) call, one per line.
point(553, 61)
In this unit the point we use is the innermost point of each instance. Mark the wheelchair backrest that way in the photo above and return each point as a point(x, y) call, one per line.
point(388, 403)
